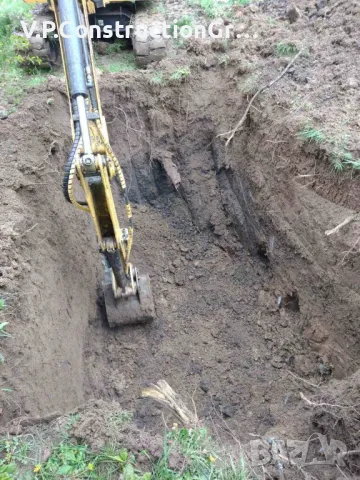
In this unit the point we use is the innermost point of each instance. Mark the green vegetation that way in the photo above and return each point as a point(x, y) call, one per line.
point(124, 62)
point(251, 84)
point(39, 457)
point(285, 49)
point(214, 8)
point(181, 74)
point(118, 46)
point(201, 460)
point(3, 332)
point(67, 460)
point(312, 134)
point(13, 79)
point(158, 79)
point(336, 144)
point(182, 22)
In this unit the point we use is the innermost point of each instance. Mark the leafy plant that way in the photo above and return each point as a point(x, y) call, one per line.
point(3, 333)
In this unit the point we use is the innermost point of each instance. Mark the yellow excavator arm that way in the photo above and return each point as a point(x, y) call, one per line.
point(93, 164)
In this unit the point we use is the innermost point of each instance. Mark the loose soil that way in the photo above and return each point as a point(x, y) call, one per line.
point(254, 301)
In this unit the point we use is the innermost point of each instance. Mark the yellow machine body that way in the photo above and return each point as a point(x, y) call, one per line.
point(94, 165)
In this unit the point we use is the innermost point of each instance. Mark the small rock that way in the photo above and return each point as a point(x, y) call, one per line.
point(15, 430)
point(312, 13)
point(240, 28)
point(179, 279)
point(325, 368)
point(204, 385)
point(277, 362)
point(177, 262)
point(254, 8)
point(143, 208)
point(228, 411)
point(352, 83)
point(4, 114)
point(217, 25)
point(194, 368)
point(319, 4)
point(239, 13)
point(292, 13)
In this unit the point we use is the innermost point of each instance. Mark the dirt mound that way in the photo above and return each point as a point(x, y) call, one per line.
point(39, 258)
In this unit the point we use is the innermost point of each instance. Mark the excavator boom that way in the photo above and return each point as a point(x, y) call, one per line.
point(93, 164)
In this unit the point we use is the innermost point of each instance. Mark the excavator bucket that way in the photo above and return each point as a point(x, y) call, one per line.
point(132, 310)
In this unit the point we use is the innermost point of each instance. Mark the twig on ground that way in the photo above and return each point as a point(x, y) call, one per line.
point(323, 404)
point(303, 380)
point(342, 224)
point(231, 133)
point(350, 251)
point(29, 229)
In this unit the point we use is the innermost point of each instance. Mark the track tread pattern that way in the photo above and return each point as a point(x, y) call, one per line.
point(148, 42)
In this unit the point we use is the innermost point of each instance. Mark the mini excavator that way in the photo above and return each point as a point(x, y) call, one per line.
point(93, 164)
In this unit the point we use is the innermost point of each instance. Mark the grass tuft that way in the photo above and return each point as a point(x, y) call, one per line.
point(340, 155)
point(214, 8)
point(117, 47)
point(38, 457)
point(201, 458)
point(181, 74)
point(312, 134)
point(116, 63)
point(182, 22)
point(158, 79)
point(285, 49)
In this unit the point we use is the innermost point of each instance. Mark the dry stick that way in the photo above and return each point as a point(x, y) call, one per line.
point(268, 85)
point(342, 224)
point(350, 251)
point(303, 380)
point(323, 404)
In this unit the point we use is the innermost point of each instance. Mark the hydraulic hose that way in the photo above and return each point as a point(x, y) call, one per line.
point(69, 164)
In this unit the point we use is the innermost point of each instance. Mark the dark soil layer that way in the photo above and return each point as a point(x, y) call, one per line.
point(250, 292)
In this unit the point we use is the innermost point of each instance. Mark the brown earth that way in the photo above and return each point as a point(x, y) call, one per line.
point(254, 301)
